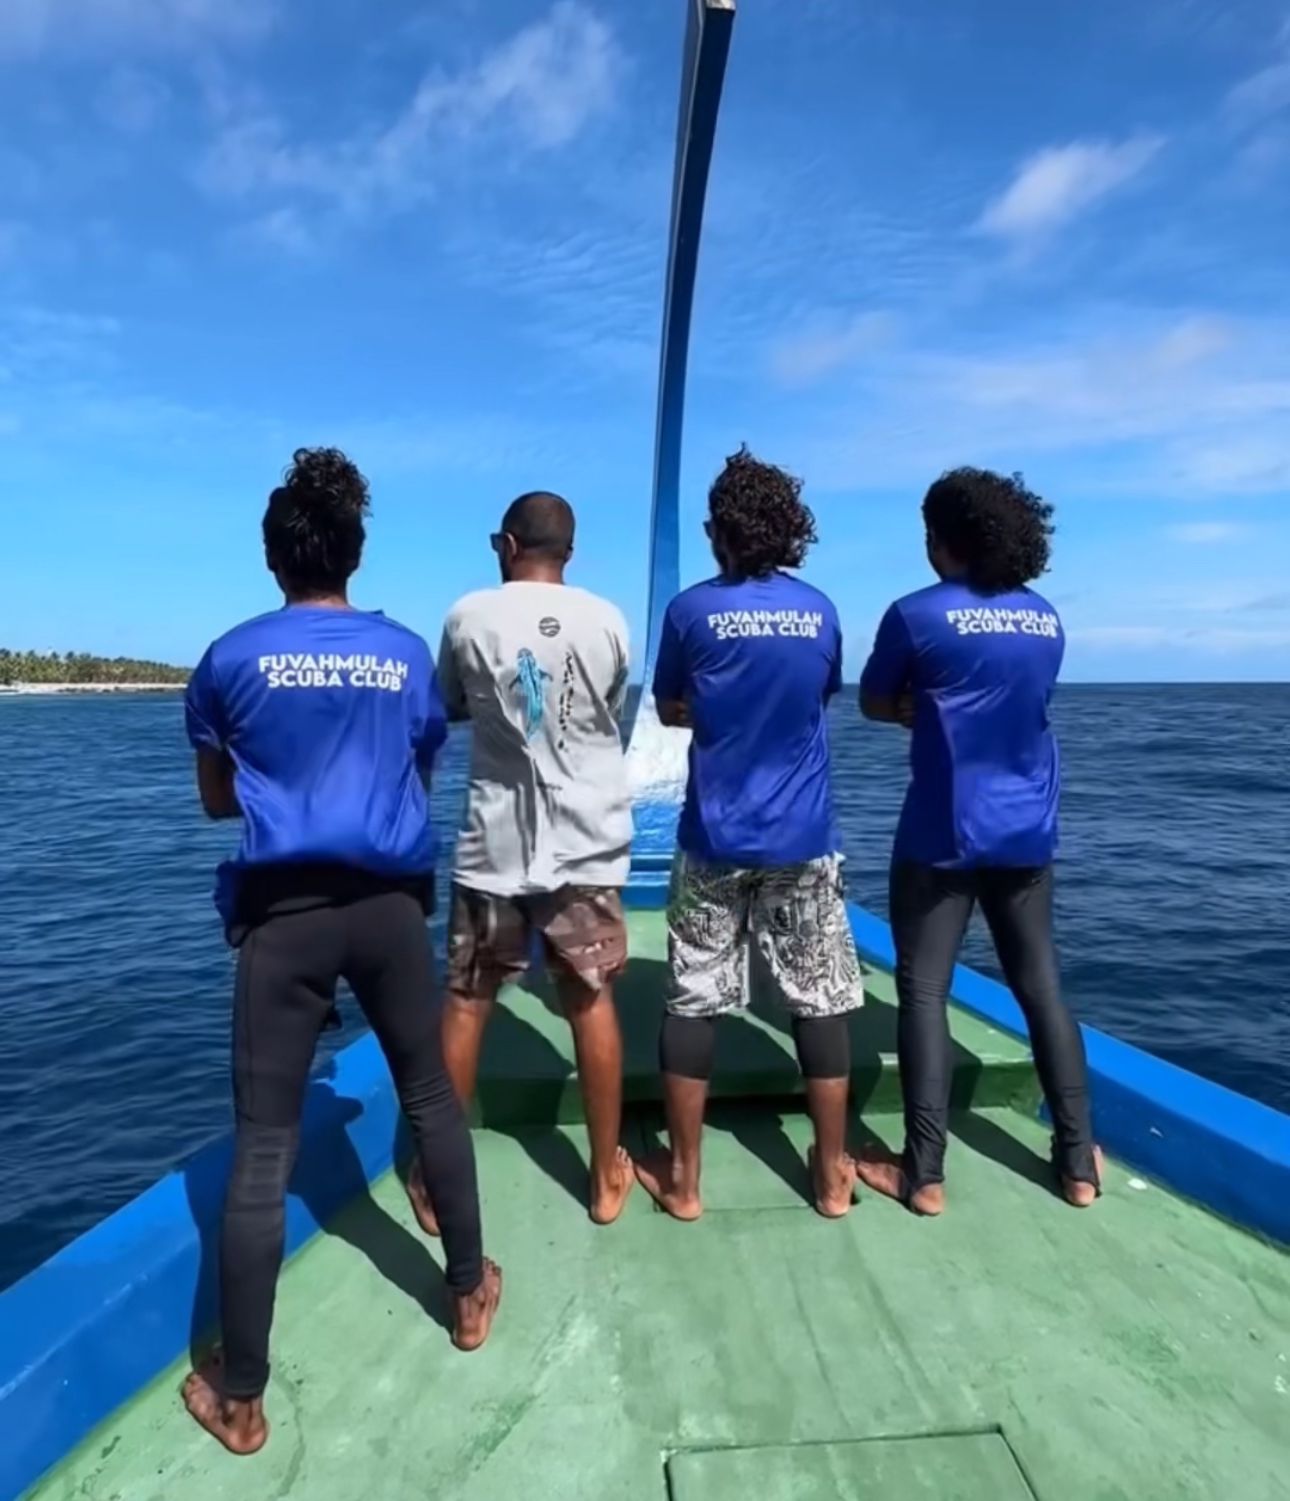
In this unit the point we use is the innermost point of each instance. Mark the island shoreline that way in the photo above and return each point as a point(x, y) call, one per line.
point(43, 690)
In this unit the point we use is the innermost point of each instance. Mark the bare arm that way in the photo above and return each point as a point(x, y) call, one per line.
point(215, 784)
point(675, 713)
point(885, 709)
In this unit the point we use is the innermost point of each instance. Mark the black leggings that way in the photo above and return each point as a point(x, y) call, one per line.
point(930, 910)
point(287, 971)
point(687, 1046)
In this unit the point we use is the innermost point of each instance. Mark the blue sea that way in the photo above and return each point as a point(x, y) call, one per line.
point(114, 989)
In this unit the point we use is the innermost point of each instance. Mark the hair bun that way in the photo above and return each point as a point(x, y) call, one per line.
point(326, 482)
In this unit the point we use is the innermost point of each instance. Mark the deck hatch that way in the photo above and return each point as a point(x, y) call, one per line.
point(932, 1467)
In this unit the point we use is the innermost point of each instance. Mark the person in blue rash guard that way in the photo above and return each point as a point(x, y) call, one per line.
point(968, 665)
point(750, 660)
point(317, 726)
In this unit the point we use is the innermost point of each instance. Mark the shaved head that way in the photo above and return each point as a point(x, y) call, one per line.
point(541, 524)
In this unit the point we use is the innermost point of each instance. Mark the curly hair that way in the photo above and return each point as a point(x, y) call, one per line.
point(313, 527)
point(1000, 531)
point(759, 520)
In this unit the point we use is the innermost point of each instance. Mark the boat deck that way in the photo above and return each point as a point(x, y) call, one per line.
point(527, 1073)
point(1013, 1349)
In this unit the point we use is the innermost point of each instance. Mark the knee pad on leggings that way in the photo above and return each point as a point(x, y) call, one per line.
point(687, 1046)
point(823, 1046)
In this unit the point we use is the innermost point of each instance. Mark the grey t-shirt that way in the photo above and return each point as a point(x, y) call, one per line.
point(541, 671)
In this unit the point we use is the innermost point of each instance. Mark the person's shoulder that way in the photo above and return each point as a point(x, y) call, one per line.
point(245, 635)
point(806, 596)
point(596, 605)
point(926, 601)
point(382, 624)
point(470, 607)
point(238, 650)
point(1034, 600)
point(699, 599)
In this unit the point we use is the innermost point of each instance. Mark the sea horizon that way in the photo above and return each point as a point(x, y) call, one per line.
point(114, 1007)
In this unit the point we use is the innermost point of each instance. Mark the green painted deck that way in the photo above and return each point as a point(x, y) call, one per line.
point(1013, 1349)
point(526, 1075)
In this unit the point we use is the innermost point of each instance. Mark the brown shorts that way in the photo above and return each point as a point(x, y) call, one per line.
point(490, 938)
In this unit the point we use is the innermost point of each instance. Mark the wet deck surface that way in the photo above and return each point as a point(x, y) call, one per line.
point(1014, 1348)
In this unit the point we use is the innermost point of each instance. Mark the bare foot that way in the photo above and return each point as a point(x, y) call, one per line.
point(420, 1200)
point(239, 1426)
point(929, 1201)
point(834, 1188)
point(1080, 1193)
point(655, 1176)
point(475, 1311)
point(881, 1170)
point(607, 1199)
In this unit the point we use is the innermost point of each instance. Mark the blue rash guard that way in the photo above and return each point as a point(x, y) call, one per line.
point(985, 780)
point(332, 718)
point(757, 661)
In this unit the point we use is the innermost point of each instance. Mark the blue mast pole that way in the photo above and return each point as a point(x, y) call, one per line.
point(656, 756)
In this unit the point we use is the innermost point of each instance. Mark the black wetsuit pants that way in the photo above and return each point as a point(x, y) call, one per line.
point(930, 910)
point(288, 968)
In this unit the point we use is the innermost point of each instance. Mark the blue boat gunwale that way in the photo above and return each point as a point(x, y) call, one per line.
point(1207, 1142)
point(83, 1333)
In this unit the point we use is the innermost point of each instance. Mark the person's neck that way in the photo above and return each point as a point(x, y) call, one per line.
point(536, 573)
point(321, 601)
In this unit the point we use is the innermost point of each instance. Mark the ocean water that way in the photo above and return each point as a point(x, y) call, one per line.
point(114, 983)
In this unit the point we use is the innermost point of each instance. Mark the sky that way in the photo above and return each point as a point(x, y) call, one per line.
point(1041, 238)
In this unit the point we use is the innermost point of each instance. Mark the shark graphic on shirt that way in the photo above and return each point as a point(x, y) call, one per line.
point(531, 680)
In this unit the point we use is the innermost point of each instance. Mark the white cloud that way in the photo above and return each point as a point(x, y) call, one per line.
point(550, 78)
point(30, 28)
point(1238, 462)
point(57, 323)
point(1263, 157)
point(538, 90)
point(828, 346)
point(1265, 92)
point(12, 234)
point(1207, 533)
point(589, 293)
point(132, 101)
point(1120, 635)
point(39, 344)
point(1189, 378)
point(283, 230)
point(1195, 406)
point(1177, 636)
point(1055, 185)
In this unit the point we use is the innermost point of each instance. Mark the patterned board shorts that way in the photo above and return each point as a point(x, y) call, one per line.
point(490, 938)
point(797, 917)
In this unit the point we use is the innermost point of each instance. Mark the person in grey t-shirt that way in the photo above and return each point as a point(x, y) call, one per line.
point(540, 669)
